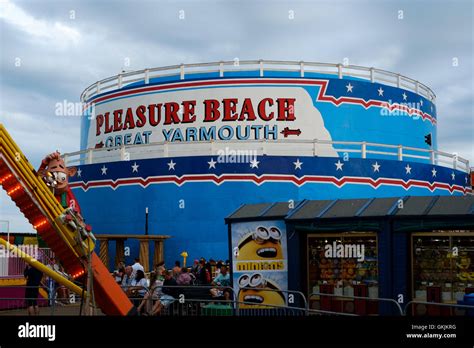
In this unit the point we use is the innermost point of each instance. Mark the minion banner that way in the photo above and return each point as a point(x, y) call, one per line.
point(260, 266)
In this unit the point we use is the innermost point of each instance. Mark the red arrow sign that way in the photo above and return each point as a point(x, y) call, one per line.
point(287, 131)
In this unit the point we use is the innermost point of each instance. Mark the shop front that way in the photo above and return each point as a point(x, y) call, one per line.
point(442, 269)
point(371, 256)
point(344, 264)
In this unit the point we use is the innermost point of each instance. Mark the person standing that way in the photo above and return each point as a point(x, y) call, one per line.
point(127, 278)
point(168, 295)
point(222, 281)
point(184, 278)
point(138, 288)
point(120, 272)
point(33, 280)
point(176, 269)
point(204, 274)
point(137, 267)
point(195, 268)
point(53, 285)
point(218, 268)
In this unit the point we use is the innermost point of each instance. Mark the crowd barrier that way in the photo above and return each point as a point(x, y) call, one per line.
point(420, 308)
point(197, 300)
point(359, 305)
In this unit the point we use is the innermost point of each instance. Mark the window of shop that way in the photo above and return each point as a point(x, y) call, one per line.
point(343, 264)
point(442, 266)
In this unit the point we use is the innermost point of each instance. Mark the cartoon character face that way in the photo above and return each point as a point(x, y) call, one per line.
point(262, 244)
point(259, 292)
point(55, 165)
point(464, 263)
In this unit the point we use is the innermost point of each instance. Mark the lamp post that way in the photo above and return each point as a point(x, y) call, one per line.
point(146, 221)
point(184, 254)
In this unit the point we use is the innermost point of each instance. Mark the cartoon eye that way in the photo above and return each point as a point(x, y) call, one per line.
point(61, 176)
point(244, 281)
point(257, 280)
point(261, 234)
point(275, 233)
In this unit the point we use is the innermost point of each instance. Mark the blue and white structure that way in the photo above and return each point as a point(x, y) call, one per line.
point(194, 142)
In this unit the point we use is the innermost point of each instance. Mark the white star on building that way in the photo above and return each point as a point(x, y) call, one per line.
point(339, 165)
point(212, 163)
point(421, 102)
point(104, 170)
point(171, 165)
point(380, 90)
point(434, 172)
point(297, 164)
point(376, 167)
point(79, 172)
point(135, 167)
point(404, 96)
point(453, 176)
point(254, 163)
point(408, 169)
point(349, 87)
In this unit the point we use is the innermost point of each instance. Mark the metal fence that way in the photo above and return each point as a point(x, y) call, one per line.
point(197, 301)
point(421, 308)
point(357, 305)
point(281, 147)
point(219, 70)
point(192, 301)
point(11, 267)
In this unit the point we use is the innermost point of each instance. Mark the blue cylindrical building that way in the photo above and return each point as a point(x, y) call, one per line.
point(194, 142)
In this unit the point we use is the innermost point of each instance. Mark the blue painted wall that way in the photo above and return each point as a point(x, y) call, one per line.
point(114, 201)
point(193, 212)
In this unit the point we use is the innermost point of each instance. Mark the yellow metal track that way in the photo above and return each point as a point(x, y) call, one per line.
point(40, 193)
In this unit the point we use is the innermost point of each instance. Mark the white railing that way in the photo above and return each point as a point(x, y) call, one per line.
point(223, 67)
point(322, 148)
point(14, 266)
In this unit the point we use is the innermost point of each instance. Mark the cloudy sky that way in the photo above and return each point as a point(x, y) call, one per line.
point(52, 50)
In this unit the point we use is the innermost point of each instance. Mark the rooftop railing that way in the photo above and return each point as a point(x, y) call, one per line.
point(262, 66)
point(323, 148)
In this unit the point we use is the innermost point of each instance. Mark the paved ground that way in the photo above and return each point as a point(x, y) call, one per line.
point(70, 309)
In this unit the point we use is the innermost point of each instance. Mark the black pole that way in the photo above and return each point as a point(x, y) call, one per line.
point(146, 221)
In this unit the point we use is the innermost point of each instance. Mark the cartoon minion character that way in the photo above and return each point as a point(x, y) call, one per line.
point(463, 265)
point(259, 292)
point(261, 244)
